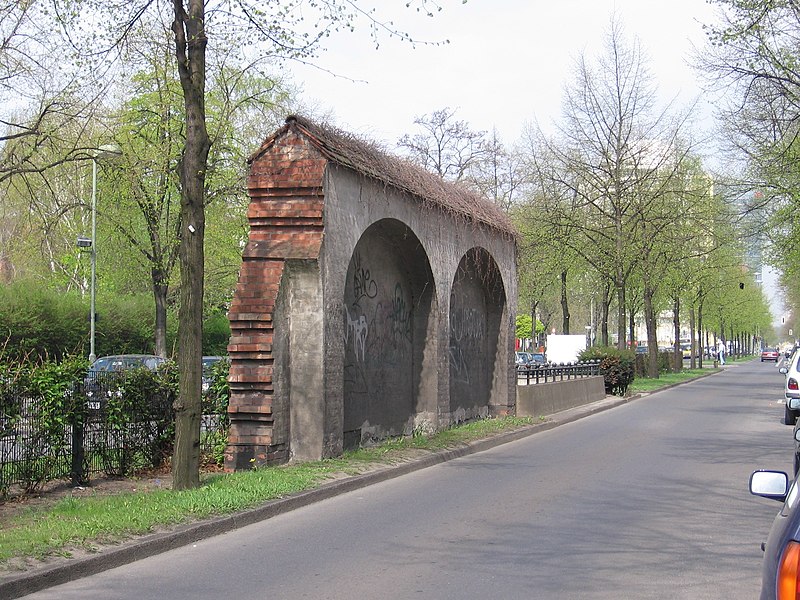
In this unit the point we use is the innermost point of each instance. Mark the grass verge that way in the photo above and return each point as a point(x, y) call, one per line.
point(87, 522)
point(664, 380)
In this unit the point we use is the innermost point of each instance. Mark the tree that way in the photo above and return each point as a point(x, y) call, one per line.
point(446, 146)
point(238, 30)
point(753, 56)
point(498, 176)
point(605, 167)
point(146, 212)
point(39, 104)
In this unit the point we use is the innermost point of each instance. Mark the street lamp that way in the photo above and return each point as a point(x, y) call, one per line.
point(105, 151)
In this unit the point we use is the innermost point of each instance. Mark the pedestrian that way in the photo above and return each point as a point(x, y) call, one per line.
point(721, 352)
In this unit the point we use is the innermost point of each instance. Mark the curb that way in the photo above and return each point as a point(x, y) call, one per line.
point(37, 579)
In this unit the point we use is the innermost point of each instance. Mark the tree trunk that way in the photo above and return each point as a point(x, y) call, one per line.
point(696, 346)
point(676, 333)
point(620, 313)
point(652, 341)
point(190, 50)
point(704, 343)
point(564, 304)
point(632, 327)
point(160, 290)
point(605, 308)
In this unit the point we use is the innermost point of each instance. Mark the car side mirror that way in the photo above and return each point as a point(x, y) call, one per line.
point(769, 484)
point(783, 370)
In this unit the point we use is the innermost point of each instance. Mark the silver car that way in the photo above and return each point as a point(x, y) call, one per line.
point(791, 389)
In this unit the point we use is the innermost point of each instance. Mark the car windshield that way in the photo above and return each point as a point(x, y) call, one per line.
point(120, 363)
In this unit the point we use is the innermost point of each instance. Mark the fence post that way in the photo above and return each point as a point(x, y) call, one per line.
point(77, 420)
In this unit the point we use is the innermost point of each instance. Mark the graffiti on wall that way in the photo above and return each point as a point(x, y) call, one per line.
point(358, 329)
point(363, 284)
point(467, 333)
point(400, 315)
point(378, 332)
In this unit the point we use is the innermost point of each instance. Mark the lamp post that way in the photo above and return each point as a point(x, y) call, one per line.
point(104, 151)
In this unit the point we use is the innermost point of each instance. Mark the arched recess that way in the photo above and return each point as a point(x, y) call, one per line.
point(477, 304)
point(389, 341)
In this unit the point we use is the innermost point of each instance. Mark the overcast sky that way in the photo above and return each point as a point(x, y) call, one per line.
point(505, 65)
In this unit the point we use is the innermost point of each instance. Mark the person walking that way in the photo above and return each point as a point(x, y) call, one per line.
point(721, 351)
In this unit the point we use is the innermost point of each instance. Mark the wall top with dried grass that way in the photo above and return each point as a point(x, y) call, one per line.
point(368, 158)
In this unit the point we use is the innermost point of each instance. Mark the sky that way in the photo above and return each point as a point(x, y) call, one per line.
point(505, 66)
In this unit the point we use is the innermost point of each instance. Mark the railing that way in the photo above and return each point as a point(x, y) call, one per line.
point(550, 372)
point(93, 436)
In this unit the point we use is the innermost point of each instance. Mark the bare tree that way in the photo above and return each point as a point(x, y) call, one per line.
point(446, 145)
point(498, 176)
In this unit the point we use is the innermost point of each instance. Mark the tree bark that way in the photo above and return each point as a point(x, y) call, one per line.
point(652, 342)
point(620, 313)
point(564, 304)
point(605, 308)
point(697, 351)
point(676, 333)
point(190, 50)
point(160, 296)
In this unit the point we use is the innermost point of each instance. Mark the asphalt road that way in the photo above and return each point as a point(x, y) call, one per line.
point(647, 500)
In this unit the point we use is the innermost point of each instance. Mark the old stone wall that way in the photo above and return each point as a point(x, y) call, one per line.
point(362, 311)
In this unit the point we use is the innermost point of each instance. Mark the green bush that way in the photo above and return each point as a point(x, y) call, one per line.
point(216, 334)
point(618, 367)
point(41, 323)
point(139, 423)
point(51, 405)
point(35, 321)
point(215, 407)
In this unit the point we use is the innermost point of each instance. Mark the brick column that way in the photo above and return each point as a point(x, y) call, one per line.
point(285, 216)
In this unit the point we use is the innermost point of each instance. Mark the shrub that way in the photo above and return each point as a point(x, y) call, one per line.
point(139, 423)
point(616, 366)
point(216, 334)
point(43, 396)
point(215, 408)
point(42, 323)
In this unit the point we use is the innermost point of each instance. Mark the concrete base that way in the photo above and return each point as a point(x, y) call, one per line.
point(550, 398)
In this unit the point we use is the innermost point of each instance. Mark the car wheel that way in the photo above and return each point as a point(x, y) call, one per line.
point(789, 416)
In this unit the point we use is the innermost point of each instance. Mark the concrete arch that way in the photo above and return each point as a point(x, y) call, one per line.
point(389, 309)
point(478, 309)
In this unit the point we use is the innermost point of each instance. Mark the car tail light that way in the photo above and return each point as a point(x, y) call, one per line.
point(792, 383)
point(788, 570)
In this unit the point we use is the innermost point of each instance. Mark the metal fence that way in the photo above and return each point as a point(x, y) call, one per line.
point(550, 372)
point(107, 428)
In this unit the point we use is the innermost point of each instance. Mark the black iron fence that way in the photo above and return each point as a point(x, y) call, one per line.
point(550, 372)
point(112, 424)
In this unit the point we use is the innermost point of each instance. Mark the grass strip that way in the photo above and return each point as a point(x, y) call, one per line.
point(647, 384)
point(85, 522)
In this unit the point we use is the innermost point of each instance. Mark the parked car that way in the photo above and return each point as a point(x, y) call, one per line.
point(124, 362)
point(770, 354)
point(522, 361)
point(791, 390)
point(538, 358)
point(105, 367)
point(780, 576)
point(796, 449)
